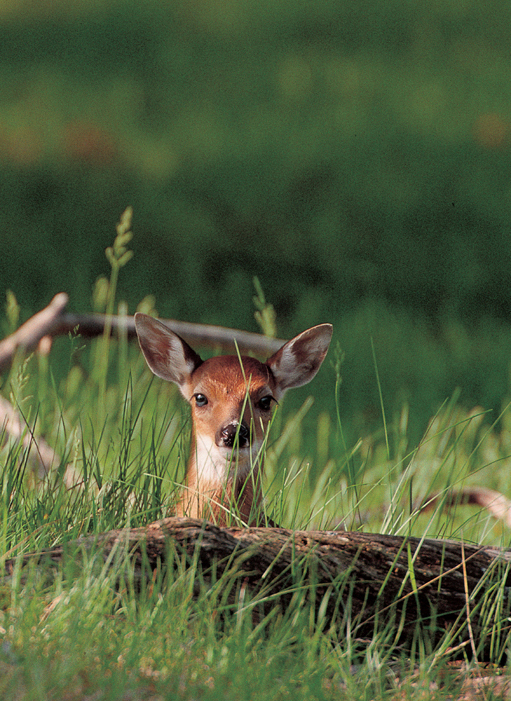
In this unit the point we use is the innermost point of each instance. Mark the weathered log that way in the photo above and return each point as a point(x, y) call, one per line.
point(352, 579)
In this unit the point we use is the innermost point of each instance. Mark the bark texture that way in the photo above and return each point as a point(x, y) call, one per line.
point(353, 579)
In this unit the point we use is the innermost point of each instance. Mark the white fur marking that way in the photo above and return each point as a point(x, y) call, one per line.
point(218, 464)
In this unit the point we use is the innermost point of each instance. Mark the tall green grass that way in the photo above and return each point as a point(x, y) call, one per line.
point(87, 631)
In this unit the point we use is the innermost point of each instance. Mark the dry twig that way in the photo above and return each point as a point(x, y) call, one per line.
point(42, 457)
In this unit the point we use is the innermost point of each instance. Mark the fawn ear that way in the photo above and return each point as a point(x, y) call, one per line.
point(168, 356)
point(298, 361)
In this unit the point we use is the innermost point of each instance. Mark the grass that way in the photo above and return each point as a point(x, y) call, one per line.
point(81, 635)
point(88, 632)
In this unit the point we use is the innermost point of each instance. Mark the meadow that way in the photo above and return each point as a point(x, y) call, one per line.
point(84, 630)
point(350, 163)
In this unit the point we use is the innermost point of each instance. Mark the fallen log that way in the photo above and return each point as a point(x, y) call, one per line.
point(354, 580)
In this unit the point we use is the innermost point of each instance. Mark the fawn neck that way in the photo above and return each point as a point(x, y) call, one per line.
point(221, 491)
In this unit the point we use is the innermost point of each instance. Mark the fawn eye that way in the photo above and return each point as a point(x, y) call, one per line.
point(200, 399)
point(265, 403)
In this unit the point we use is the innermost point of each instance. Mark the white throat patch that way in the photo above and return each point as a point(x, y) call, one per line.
point(218, 464)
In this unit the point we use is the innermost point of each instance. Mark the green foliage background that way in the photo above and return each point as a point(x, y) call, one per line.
point(353, 156)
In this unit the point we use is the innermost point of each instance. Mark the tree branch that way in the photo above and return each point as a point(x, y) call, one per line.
point(54, 321)
point(27, 337)
point(226, 339)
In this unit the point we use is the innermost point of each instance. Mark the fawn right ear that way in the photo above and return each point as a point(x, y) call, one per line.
point(166, 353)
point(298, 361)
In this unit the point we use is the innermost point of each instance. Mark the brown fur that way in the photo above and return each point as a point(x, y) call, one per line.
point(231, 400)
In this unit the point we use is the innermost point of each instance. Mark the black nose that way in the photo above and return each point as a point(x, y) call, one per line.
point(235, 433)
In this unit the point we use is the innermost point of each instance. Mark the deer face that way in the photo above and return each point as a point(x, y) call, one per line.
point(232, 401)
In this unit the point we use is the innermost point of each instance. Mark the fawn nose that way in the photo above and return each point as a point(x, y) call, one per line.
point(235, 434)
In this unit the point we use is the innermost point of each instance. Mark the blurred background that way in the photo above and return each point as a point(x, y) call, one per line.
point(354, 156)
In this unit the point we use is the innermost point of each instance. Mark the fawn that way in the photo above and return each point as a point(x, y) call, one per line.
point(232, 400)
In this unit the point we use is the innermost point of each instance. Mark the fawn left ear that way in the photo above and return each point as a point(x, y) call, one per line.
point(298, 361)
point(166, 353)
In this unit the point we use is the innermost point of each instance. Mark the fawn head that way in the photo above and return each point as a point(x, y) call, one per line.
point(232, 398)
